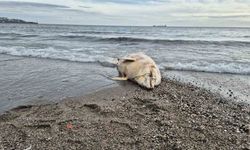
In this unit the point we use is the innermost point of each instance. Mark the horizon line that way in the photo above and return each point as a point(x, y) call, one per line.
point(155, 26)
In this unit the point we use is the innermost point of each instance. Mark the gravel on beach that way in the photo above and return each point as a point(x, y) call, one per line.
point(172, 116)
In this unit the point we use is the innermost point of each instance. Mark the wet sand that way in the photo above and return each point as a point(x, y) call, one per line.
point(26, 80)
point(229, 85)
point(172, 116)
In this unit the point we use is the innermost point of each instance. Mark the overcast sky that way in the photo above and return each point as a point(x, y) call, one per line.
point(131, 12)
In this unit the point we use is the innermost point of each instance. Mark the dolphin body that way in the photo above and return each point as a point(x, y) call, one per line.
point(139, 68)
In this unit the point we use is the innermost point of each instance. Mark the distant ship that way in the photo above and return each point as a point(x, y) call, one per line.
point(7, 20)
point(160, 26)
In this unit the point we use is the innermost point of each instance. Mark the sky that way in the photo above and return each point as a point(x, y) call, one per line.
point(223, 13)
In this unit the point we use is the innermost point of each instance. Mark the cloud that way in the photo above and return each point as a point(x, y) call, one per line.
point(118, 1)
point(132, 12)
point(225, 16)
point(29, 4)
point(128, 1)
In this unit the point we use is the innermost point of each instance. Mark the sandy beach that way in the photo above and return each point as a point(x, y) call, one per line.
point(56, 90)
point(28, 81)
point(172, 116)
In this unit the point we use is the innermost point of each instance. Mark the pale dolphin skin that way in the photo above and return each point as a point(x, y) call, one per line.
point(139, 68)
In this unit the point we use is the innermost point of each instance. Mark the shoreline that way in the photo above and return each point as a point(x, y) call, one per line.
point(40, 80)
point(26, 80)
point(230, 86)
point(172, 116)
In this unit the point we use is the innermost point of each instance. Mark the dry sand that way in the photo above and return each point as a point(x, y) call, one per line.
point(172, 116)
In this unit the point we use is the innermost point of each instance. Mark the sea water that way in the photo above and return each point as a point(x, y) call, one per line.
point(219, 50)
point(211, 51)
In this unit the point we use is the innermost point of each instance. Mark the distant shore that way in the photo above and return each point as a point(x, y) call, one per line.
point(172, 116)
point(17, 21)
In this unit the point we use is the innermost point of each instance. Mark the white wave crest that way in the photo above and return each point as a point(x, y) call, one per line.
point(52, 53)
point(213, 67)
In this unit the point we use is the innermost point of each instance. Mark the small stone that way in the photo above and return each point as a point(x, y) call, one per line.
point(245, 128)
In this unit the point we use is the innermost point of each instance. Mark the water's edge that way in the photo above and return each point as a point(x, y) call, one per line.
point(36, 80)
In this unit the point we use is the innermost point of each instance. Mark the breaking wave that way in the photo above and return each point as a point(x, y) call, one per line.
point(216, 67)
point(148, 40)
point(96, 32)
point(13, 35)
point(84, 36)
point(74, 56)
point(65, 55)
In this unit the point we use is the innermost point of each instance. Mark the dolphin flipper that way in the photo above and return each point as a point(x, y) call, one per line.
point(120, 78)
point(128, 59)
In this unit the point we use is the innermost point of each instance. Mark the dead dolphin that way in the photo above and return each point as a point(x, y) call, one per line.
point(139, 68)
